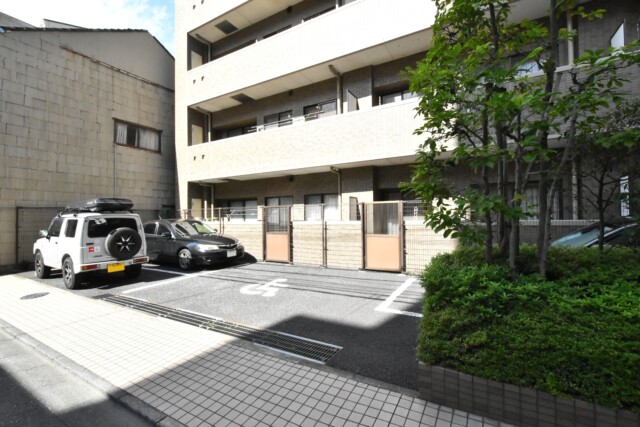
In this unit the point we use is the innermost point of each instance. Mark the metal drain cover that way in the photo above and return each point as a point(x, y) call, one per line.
point(33, 296)
point(305, 348)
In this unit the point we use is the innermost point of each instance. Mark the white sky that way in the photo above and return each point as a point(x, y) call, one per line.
point(155, 16)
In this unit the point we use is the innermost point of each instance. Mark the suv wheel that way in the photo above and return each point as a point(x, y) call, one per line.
point(69, 278)
point(123, 243)
point(42, 271)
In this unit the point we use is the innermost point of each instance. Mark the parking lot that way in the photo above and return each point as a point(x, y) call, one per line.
point(373, 316)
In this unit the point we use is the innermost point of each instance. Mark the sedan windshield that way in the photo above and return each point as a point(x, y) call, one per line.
point(193, 228)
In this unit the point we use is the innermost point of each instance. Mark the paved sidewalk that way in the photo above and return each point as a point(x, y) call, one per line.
point(175, 374)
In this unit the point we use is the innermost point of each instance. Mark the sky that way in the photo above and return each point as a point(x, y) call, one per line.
point(155, 16)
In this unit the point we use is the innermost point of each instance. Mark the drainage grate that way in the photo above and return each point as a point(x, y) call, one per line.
point(302, 347)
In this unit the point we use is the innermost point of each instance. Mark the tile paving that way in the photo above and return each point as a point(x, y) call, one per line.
point(198, 377)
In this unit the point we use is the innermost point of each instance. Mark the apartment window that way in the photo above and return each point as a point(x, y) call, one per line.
point(528, 67)
point(313, 208)
point(617, 40)
point(322, 12)
point(278, 119)
point(266, 36)
point(279, 201)
point(234, 131)
point(396, 96)
point(530, 202)
point(243, 209)
point(625, 210)
point(132, 135)
point(323, 109)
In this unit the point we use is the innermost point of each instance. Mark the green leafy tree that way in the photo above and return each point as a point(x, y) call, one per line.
point(483, 109)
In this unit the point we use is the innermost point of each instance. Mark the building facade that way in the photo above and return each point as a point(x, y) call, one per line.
point(83, 113)
point(304, 103)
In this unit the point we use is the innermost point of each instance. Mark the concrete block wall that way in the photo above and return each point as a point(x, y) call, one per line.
point(249, 234)
point(7, 236)
point(344, 245)
point(422, 244)
point(57, 128)
point(307, 243)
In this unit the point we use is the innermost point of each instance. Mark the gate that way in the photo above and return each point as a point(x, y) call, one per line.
point(277, 231)
point(382, 241)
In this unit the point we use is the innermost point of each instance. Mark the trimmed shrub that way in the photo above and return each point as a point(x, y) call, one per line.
point(576, 334)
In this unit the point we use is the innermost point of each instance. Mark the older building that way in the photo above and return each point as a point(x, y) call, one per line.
point(83, 113)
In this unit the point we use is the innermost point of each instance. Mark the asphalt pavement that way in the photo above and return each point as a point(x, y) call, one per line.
point(372, 316)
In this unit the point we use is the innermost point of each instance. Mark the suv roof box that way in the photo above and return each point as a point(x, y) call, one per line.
point(100, 204)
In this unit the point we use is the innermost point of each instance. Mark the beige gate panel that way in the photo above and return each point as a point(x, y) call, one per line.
point(383, 252)
point(278, 247)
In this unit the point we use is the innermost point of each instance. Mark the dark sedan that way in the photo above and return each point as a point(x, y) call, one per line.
point(189, 242)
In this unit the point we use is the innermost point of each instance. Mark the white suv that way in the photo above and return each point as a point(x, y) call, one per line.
point(94, 235)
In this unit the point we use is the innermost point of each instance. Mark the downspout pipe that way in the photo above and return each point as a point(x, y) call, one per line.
point(338, 88)
point(338, 172)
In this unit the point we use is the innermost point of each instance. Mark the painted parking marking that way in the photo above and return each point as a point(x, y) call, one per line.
point(269, 289)
point(386, 304)
point(182, 276)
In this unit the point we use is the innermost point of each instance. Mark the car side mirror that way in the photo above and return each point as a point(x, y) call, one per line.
point(166, 234)
point(43, 233)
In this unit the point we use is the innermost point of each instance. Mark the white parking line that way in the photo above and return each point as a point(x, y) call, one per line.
point(183, 276)
point(384, 307)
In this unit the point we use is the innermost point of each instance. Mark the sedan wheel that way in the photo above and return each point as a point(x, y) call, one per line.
point(185, 260)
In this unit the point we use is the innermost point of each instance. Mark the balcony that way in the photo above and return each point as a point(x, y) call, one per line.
point(365, 32)
point(362, 138)
point(202, 16)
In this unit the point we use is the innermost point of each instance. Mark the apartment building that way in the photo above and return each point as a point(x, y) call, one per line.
point(304, 102)
point(293, 102)
point(83, 113)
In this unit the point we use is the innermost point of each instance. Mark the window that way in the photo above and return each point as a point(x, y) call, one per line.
point(322, 12)
point(234, 131)
point(528, 67)
point(136, 136)
point(279, 201)
point(313, 207)
point(323, 109)
point(150, 228)
point(617, 40)
point(530, 202)
point(55, 227)
point(243, 209)
point(266, 36)
point(396, 96)
point(72, 224)
point(625, 210)
point(101, 227)
point(278, 119)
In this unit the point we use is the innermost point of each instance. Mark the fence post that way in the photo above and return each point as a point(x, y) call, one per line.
point(363, 216)
point(324, 235)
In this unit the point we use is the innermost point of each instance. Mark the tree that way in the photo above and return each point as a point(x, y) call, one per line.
point(483, 108)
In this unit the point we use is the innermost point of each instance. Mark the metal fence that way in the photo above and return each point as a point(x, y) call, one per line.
point(320, 235)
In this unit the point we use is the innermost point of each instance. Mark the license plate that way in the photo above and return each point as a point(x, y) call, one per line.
point(231, 253)
point(112, 268)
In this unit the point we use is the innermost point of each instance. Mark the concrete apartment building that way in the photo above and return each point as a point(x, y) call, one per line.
point(303, 102)
point(83, 113)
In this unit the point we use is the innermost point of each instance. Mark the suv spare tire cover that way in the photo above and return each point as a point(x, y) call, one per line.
point(123, 243)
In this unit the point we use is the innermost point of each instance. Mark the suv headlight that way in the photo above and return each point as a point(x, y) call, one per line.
point(204, 247)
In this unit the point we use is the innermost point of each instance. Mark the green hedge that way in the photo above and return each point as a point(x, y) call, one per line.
point(576, 334)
